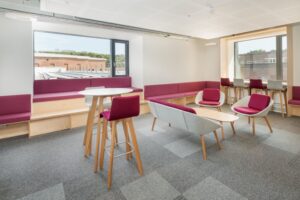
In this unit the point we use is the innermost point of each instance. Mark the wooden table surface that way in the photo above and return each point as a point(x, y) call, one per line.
point(216, 115)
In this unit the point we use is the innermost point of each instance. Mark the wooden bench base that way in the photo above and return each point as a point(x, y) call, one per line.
point(293, 110)
point(12, 130)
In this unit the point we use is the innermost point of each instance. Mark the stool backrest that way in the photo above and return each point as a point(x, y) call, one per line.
point(256, 83)
point(275, 85)
point(125, 107)
point(225, 81)
point(237, 82)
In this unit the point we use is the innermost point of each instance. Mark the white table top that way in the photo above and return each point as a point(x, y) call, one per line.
point(105, 91)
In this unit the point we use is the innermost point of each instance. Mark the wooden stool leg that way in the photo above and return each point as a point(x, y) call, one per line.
point(268, 123)
point(111, 159)
point(97, 146)
point(103, 143)
point(253, 125)
point(248, 120)
point(272, 96)
point(136, 147)
point(281, 104)
point(285, 102)
point(127, 140)
point(235, 94)
point(203, 147)
point(217, 139)
point(153, 124)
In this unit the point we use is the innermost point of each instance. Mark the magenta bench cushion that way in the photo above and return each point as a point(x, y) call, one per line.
point(294, 102)
point(60, 85)
point(180, 107)
point(177, 90)
point(296, 92)
point(114, 82)
point(15, 108)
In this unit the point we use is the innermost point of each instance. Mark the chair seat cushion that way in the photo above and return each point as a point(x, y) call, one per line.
point(294, 102)
point(13, 118)
point(209, 103)
point(246, 110)
point(56, 96)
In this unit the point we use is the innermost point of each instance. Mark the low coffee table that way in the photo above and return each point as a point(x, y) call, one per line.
point(218, 116)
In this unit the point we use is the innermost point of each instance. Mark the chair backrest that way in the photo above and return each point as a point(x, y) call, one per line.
point(211, 94)
point(256, 83)
point(225, 81)
point(259, 101)
point(89, 99)
point(237, 82)
point(275, 85)
point(124, 107)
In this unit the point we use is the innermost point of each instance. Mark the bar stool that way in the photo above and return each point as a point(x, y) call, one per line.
point(123, 109)
point(276, 87)
point(226, 84)
point(257, 84)
point(239, 88)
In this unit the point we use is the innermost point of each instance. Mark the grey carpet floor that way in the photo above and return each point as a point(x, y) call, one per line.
point(52, 166)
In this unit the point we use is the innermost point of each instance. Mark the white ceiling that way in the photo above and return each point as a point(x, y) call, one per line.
point(198, 18)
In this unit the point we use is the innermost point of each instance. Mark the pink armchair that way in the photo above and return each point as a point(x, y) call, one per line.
point(210, 97)
point(254, 106)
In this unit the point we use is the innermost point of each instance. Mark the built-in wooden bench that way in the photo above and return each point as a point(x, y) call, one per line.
point(294, 103)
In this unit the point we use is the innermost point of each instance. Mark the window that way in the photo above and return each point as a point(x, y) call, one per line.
point(67, 56)
point(264, 58)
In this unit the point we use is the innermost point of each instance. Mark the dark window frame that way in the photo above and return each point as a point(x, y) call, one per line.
point(113, 57)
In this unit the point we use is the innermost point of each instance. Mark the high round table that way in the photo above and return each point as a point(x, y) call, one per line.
point(98, 95)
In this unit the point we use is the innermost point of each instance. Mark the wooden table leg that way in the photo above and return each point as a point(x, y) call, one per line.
point(233, 129)
point(89, 127)
point(203, 147)
point(222, 131)
point(217, 139)
point(96, 166)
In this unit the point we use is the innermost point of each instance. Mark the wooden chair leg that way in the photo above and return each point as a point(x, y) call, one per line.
point(153, 124)
point(111, 159)
point(219, 109)
point(269, 125)
point(127, 140)
point(96, 166)
point(203, 147)
point(232, 127)
point(281, 104)
point(217, 139)
point(103, 143)
point(136, 147)
point(253, 125)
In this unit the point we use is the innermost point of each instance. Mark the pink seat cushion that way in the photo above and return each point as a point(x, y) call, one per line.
point(294, 102)
point(296, 92)
point(257, 83)
point(246, 110)
point(225, 82)
point(209, 103)
point(211, 94)
point(56, 96)
point(12, 118)
point(259, 101)
point(172, 105)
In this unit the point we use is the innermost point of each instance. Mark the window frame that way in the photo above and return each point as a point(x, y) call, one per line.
point(112, 71)
point(113, 57)
point(279, 64)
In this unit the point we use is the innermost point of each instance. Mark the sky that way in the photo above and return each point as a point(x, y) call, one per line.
point(266, 44)
point(51, 42)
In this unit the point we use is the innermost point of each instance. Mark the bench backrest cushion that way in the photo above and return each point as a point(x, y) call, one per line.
point(15, 104)
point(191, 86)
point(212, 84)
point(173, 105)
point(60, 85)
point(296, 92)
point(259, 101)
point(157, 90)
point(114, 82)
point(211, 94)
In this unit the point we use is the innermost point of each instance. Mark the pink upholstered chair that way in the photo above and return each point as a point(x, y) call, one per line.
point(123, 109)
point(254, 106)
point(210, 97)
point(257, 84)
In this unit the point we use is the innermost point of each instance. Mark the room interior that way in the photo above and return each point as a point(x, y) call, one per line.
point(140, 99)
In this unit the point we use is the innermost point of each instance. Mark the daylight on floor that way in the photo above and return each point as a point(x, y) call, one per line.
point(149, 100)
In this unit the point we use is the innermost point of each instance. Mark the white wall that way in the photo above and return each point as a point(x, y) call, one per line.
point(16, 57)
point(296, 54)
point(168, 60)
point(211, 70)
